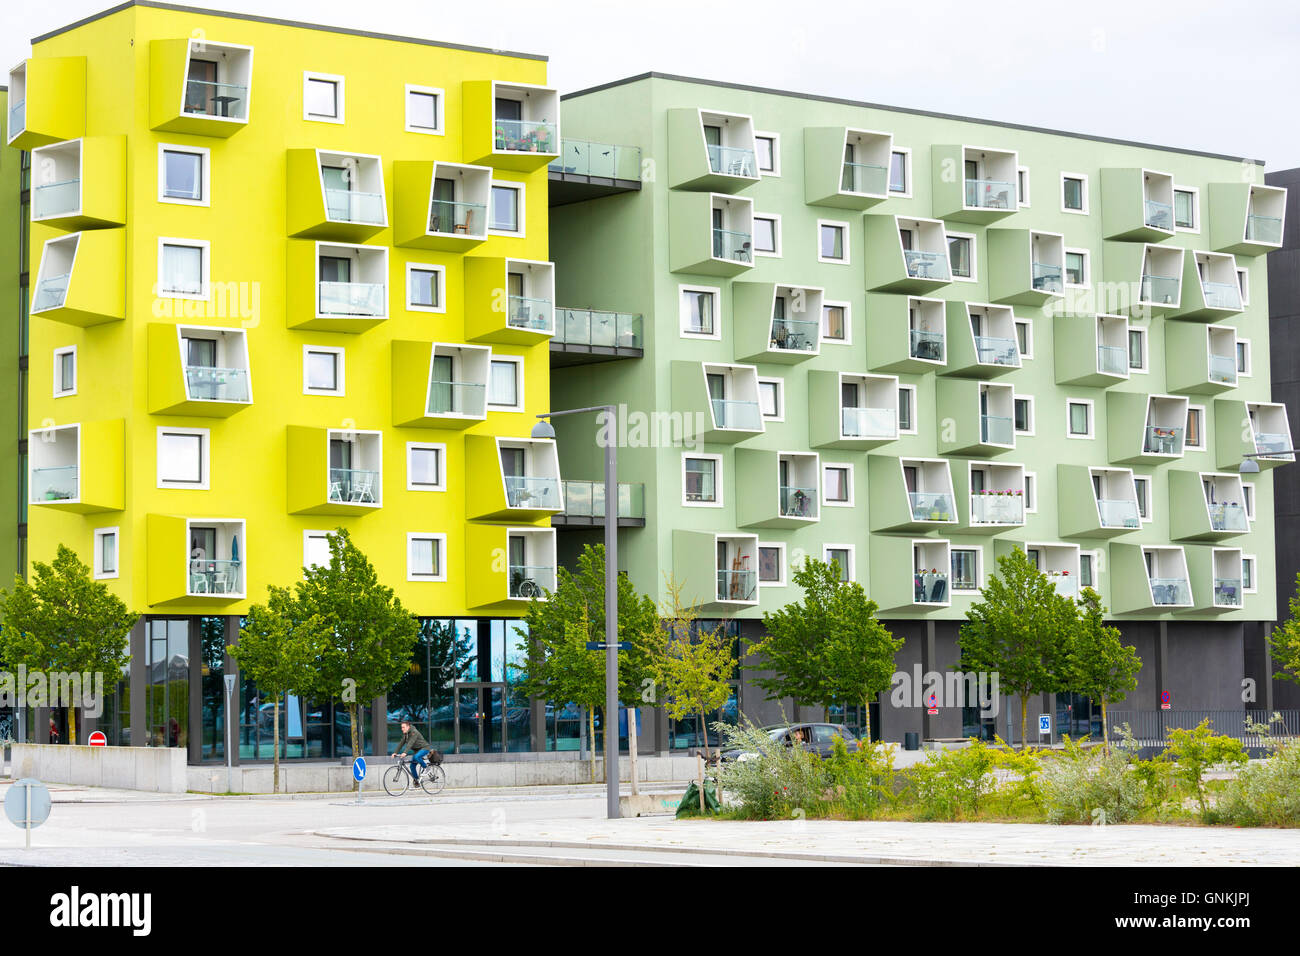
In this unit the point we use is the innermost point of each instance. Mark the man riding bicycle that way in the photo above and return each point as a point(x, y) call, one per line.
point(413, 743)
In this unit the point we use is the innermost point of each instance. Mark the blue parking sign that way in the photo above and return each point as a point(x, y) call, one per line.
point(1044, 723)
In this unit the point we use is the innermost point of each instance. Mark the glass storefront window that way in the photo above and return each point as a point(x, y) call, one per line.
point(167, 700)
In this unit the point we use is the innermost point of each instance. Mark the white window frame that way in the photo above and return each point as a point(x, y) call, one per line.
point(1087, 202)
point(1029, 337)
point(441, 449)
point(1091, 433)
point(97, 560)
point(1250, 360)
point(439, 112)
point(916, 416)
point(441, 271)
point(205, 456)
point(1087, 268)
point(1145, 481)
point(974, 255)
point(440, 540)
point(1033, 414)
point(1031, 492)
point(718, 486)
point(1254, 574)
point(1248, 499)
point(1204, 444)
point(776, 235)
point(775, 171)
point(205, 265)
point(340, 97)
point(906, 153)
point(848, 257)
point(58, 374)
point(309, 535)
point(339, 357)
point(1146, 356)
point(1022, 187)
point(1244, 274)
point(852, 569)
point(848, 323)
point(1195, 227)
point(784, 579)
point(205, 159)
point(979, 569)
point(848, 467)
point(521, 204)
point(518, 362)
point(682, 330)
point(780, 399)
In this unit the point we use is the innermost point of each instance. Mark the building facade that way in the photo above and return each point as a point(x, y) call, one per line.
point(13, 357)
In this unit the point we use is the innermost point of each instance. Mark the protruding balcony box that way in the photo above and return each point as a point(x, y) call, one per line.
point(584, 504)
point(80, 184)
point(180, 569)
point(906, 333)
point(910, 574)
point(848, 410)
point(1137, 205)
point(590, 336)
point(844, 167)
point(905, 255)
point(1211, 290)
point(528, 472)
point(505, 567)
point(439, 384)
point(1146, 578)
point(1096, 502)
point(198, 370)
point(509, 301)
point(1025, 266)
point(494, 137)
point(990, 496)
point(775, 322)
point(333, 471)
point(81, 279)
point(986, 189)
point(777, 489)
point(719, 571)
point(333, 195)
point(1145, 429)
point(1142, 278)
point(1200, 359)
point(320, 298)
point(708, 150)
point(1216, 579)
point(1058, 560)
point(1249, 428)
point(1090, 349)
point(974, 418)
point(710, 233)
point(47, 101)
point(200, 87)
point(78, 468)
point(988, 353)
point(911, 494)
point(440, 205)
point(1206, 506)
point(722, 398)
point(1246, 219)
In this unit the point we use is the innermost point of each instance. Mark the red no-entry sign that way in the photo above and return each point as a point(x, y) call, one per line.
point(97, 739)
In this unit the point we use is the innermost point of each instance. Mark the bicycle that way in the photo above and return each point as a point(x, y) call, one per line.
point(433, 778)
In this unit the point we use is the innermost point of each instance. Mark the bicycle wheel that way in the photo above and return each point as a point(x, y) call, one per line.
point(396, 780)
point(433, 780)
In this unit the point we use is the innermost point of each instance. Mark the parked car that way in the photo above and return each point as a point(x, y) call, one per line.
point(814, 737)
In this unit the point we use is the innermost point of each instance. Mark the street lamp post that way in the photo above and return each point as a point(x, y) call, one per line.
point(543, 429)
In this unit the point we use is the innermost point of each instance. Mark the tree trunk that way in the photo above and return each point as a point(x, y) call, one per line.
point(275, 743)
point(705, 729)
point(591, 741)
point(72, 725)
point(631, 746)
point(356, 747)
point(866, 719)
point(1105, 727)
point(1024, 722)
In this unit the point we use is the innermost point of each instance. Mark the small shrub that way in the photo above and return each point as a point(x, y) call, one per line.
point(1265, 792)
point(1082, 785)
point(952, 784)
point(1198, 750)
point(861, 782)
point(776, 781)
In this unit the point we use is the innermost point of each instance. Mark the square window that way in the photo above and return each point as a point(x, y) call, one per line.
point(900, 173)
point(771, 564)
point(425, 469)
point(907, 409)
point(1079, 418)
point(965, 569)
point(841, 556)
point(1186, 209)
point(1024, 415)
point(1074, 193)
point(322, 370)
point(507, 208)
point(106, 551)
point(961, 253)
point(771, 398)
point(1076, 267)
point(837, 484)
point(183, 175)
point(322, 97)
point(833, 242)
point(700, 485)
point(699, 314)
point(423, 109)
point(424, 556)
point(767, 235)
point(767, 146)
point(505, 385)
point(835, 322)
point(183, 268)
point(65, 371)
point(183, 458)
point(424, 288)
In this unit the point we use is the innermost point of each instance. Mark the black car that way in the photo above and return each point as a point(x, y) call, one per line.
point(814, 737)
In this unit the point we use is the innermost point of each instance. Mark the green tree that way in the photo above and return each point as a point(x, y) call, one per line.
point(1021, 629)
point(1099, 665)
point(694, 665)
point(829, 647)
point(1195, 751)
point(278, 649)
point(1285, 640)
point(449, 654)
point(64, 620)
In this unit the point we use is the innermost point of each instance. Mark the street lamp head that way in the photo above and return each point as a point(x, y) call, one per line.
point(1249, 466)
point(543, 429)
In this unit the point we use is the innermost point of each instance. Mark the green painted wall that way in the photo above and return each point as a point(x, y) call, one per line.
point(10, 169)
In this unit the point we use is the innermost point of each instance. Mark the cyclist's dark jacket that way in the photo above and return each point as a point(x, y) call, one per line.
point(412, 742)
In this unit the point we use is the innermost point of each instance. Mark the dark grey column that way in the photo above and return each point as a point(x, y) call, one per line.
point(379, 725)
point(194, 739)
point(537, 724)
point(1162, 663)
point(928, 731)
point(139, 682)
point(231, 702)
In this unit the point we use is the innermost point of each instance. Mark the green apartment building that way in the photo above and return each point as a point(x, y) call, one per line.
point(911, 342)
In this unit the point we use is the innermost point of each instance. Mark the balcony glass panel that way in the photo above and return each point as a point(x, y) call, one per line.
point(737, 585)
point(931, 505)
point(348, 205)
point(732, 161)
point(1160, 215)
point(51, 292)
point(736, 246)
point(864, 178)
point(1271, 444)
point(1227, 592)
point(736, 414)
point(1227, 516)
point(798, 502)
point(991, 350)
point(1222, 295)
point(586, 499)
point(1223, 368)
point(926, 265)
point(1048, 278)
point(58, 483)
point(1264, 229)
point(351, 298)
point(207, 98)
point(1066, 584)
point(927, 345)
point(525, 136)
point(215, 577)
point(797, 335)
point(598, 159)
point(528, 581)
point(457, 398)
point(1160, 290)
point(1166, 591)
point(993, 507)
point(1118, 513)
point(528, 492)
point(1163, 440)
point(17, 117)
point(56, 199)
point(606, 329)
point(990, 194)
point(526, 313)
point(868, 422)
point(1112, 360)
point(996, 430)
point(354, 486)
point(930, 587)
point(452, 218)
point(216, 384)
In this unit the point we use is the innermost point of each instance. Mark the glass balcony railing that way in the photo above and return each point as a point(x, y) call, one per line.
point(604, 329)
point(992, 507)
point(736, 246)
point(457, 398)
point(206, 98)
point(17, 117)
point(583, 158)
point(996, 430)
point(348, 205)
point(1159, 215)
point(215, 576)
point(529, 313)
point(1227, 592)
point(457, 218)
point(586, 499)
point(533, 492)
point(798, 502)
point(526, 136)
point(990, 194)
point(930, 587)
point(868, 422)
point(51, 293)
point(531, 581)
point(1112, 360)
point(1163, 440)
point(744, 416)
point(1048, 278)
point(352, 298)
point(1118, 513)
point(1223, 368)
point(991, 350)
point(931, 506)
point(926, 345)
point(354, 486)
point(926, 265)
point(1160, 290)
point(1227, 516)
point(1264, 229)
point(733, 161)
point(55, 483)
point(1170, 591)
point(1272, 444)
point(1222, 295)
point(207, 384)
point(1066, 584)
point(737, 585)
point(864, 178)
point(795, 335)
point(56, 199)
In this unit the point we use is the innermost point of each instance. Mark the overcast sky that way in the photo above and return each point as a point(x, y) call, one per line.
point(1222, 77)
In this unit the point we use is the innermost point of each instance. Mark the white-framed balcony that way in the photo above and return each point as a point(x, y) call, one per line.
point(531, 561)
point(1228, 588)
point(530, 296)
point(981, 340)
point(711, 149)
point(1211, 289)
point(1158, 201)
point(996, 494)
point(733, 230)
point(459, 196)
point(924, 244)
point(1246, 218)
point(927, 482)
point(216, 562)
point(1057, 560)
point(997, 415)
point(54, 276)
point(733, 398)
point(1206, 506)
point(1166, 425)
point(530, 477)
point(868, 410)
point(799, 486)
point(457, 382)
point(1161, 283)
point(1200, 359)
point(1047, 264)
point(1167, 578)
point(525, 120)
point(1265, 212)
point(729, 144)
point(931, 570)
point(214, 365)
point(351, 282)
point(335, 195)
point(1222, 358)
point(199, 86)
point(54, 465)
point(57, 182)
point(989, 178)
point(737, 570)
point(1112, 346)
point(927, 339)
point(1115, 496)
point(17, 100)
point(1270, 430)
point(356, 469)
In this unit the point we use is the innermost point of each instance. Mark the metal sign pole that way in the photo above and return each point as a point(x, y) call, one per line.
point(230, 700)
point(27, 817)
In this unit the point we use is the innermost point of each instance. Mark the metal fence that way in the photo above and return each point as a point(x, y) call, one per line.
point(1151, 727)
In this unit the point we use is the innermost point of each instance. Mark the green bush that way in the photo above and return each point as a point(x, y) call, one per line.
point(1091, 785)
point(1265, 792)
point(1195, 752)
point(861, 782)
point(952, 784)
point(772, 781)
